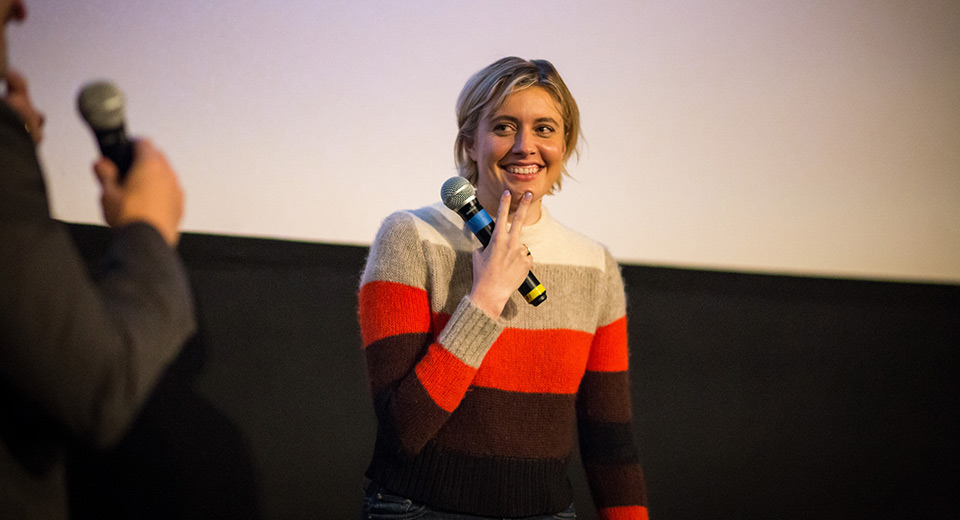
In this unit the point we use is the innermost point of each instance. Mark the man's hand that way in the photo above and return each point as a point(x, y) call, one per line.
point(150, 193)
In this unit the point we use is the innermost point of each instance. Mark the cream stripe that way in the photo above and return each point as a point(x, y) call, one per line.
point(550, 241)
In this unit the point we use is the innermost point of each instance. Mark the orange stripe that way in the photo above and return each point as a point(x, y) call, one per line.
point(624, 513)
point(536, 361)
point(445, 377)
point(390, 308)
point(609, 350)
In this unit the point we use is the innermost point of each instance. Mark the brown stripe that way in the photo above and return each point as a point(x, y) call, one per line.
point(391, 358)
point(614, 486)
point(415, 415)
point(607, 443)
point(511, 424)
point(605, 397)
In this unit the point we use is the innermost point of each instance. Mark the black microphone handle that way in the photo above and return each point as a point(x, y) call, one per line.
point(115, 146)
point(531, 288)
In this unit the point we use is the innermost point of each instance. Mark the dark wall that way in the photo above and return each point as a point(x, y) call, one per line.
point(778, 397)
point(756, 396)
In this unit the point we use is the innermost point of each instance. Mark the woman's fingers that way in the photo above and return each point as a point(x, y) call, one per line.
point(499, 269)
point(520, 217)
point(503, 213)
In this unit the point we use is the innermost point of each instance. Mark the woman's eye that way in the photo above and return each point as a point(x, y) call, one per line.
point(545, 129)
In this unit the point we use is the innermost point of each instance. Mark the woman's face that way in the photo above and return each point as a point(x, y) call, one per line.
point(520, 148)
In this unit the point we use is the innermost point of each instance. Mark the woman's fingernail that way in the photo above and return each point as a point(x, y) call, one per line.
point(506, 193)
point(527, 196)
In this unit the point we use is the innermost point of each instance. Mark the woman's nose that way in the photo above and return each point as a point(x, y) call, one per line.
point(523, 143)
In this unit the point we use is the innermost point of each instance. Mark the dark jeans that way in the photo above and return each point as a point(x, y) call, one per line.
point(380, 504)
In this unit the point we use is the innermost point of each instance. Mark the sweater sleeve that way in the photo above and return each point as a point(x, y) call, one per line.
point(89, 351)
point(419, 363)
point(604, 414)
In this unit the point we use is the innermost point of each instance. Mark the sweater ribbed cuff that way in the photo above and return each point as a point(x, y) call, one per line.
point(470, 333)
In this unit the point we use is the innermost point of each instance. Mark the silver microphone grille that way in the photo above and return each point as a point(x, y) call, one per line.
point(456, 191)
point(101, 104)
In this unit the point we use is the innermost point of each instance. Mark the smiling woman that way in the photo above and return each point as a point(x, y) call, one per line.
point(501, 122)
point(519, 147)
point(479, 396)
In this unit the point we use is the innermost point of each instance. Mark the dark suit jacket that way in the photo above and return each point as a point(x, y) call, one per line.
point(78, 357)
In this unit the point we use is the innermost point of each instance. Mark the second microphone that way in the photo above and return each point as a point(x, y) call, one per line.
point(459, 195)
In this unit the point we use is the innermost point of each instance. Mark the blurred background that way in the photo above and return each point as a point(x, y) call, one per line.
point(768, 136)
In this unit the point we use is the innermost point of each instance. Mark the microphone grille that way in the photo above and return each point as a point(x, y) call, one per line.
point(456, 191)
point(101, 104)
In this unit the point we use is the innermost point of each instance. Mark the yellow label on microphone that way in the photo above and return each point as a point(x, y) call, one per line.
point(536, 291)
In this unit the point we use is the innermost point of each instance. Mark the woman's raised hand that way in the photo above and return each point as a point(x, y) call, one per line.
point(500, 268)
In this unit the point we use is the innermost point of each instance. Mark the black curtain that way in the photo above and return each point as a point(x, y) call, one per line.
point(756, 396)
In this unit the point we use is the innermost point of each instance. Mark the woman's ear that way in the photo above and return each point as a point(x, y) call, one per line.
point(468, 146)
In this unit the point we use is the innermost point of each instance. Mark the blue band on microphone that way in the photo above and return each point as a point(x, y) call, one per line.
point(479, 221)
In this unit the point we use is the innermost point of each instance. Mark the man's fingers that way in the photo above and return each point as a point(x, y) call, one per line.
point(105, 171)
point(144, 149)
point(107, 175)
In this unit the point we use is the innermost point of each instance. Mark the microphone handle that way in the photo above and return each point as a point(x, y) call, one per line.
point(114, 146)
point(482, 225)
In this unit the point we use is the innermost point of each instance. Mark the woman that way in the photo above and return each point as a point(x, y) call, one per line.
point(478, 395)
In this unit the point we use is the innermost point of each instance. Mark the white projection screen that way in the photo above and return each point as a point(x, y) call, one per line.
point(785, 137)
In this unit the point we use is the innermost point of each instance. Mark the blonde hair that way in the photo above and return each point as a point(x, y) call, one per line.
point(487, 90)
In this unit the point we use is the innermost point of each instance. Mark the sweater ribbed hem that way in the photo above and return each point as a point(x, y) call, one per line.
point(475, 485)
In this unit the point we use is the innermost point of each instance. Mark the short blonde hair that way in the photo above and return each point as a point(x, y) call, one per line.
point(488, 89)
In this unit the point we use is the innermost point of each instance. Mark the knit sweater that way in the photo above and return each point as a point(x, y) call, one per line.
point(478, 415)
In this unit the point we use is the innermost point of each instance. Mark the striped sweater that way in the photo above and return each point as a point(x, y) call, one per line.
point(477, 415)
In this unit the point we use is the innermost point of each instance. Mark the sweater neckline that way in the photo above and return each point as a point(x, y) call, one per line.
point(531, 232)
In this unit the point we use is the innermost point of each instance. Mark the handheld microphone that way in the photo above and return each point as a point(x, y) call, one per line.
point(101, 104)
point(459, 195)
